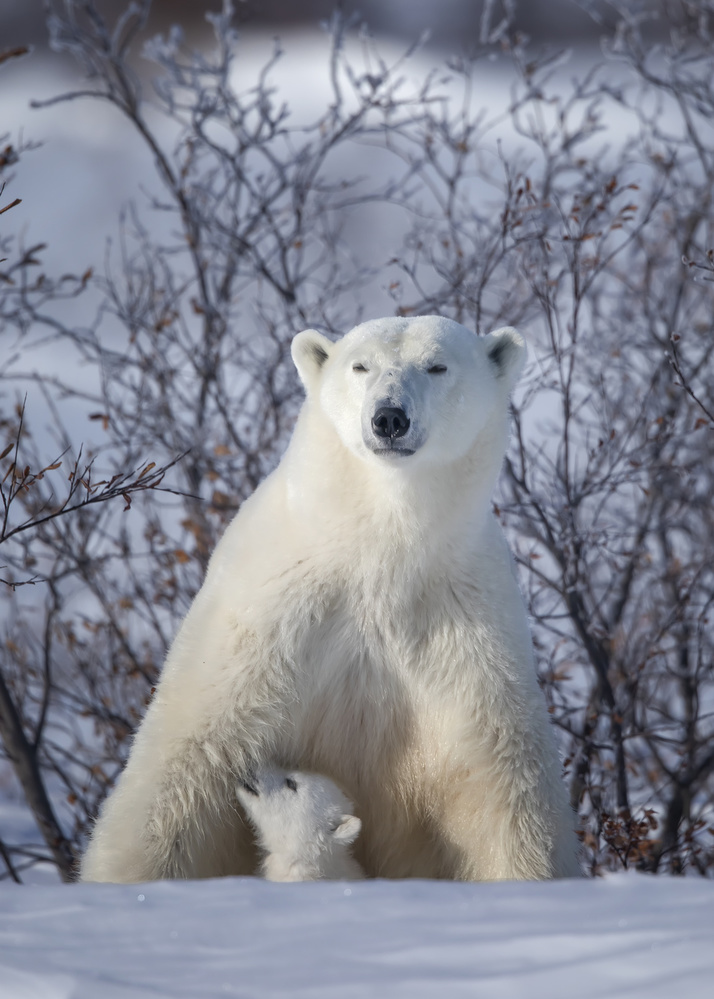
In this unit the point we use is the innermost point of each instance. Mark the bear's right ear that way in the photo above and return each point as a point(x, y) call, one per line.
point(506, 350)
point(348, 830)
point(310, 350)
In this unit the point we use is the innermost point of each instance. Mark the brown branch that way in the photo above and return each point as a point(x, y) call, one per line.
point(24, 758)
point(19, 50)
point(674, 361)
point(5, 854)
point(600, 659)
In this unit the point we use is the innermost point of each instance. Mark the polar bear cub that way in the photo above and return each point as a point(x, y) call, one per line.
point(304, 826)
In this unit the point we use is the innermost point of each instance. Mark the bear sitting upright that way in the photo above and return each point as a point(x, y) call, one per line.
point(360, 618)
point(303, 824)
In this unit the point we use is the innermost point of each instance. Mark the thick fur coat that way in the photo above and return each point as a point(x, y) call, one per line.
point(361, 619)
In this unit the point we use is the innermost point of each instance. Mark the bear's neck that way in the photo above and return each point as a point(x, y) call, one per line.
point(396, 504)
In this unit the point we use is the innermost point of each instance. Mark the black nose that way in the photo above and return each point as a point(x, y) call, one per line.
point(390, 422)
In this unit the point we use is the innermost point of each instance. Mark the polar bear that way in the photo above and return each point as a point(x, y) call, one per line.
point(360, 618)
point(303, 824)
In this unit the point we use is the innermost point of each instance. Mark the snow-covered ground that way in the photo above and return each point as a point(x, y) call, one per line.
point(624, 936)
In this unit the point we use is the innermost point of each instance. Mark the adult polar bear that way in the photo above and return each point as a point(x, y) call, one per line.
point(360, 619)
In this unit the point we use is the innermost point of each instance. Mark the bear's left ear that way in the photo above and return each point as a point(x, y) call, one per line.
point(348, 830)
point(310, 350)
point(506, 350)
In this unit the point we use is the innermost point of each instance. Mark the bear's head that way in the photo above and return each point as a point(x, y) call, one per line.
point(297, 813)
point(409, 391)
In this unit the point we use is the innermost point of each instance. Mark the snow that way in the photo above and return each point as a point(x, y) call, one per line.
point(624, 936)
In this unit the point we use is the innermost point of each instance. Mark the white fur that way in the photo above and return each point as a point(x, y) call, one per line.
point(304, 826)
point(360, 618)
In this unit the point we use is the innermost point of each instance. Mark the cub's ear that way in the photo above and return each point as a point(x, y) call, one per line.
point(310, 350)
point(506, 350)
point(348, 830)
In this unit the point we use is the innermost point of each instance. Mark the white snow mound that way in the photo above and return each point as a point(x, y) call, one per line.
point(624, 936)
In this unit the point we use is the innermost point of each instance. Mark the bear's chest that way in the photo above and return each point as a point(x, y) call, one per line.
point(368, 638)
point(370, 672)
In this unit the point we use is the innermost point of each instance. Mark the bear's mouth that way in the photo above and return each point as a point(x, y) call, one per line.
point(392, 450)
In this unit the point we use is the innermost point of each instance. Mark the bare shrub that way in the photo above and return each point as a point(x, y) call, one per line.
point(580, 210)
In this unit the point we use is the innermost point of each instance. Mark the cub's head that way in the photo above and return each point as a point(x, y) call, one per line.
point(293, 812)
point(409, 390)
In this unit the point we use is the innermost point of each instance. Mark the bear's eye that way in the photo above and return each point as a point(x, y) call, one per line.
point(289, 782)
point(436, 369)
point(358, 367)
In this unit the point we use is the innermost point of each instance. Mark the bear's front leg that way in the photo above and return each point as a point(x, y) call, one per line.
point(167, 816)
point(174, 813)
point(506, 815)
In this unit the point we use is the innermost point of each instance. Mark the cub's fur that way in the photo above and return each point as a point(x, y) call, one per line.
point(304, 826)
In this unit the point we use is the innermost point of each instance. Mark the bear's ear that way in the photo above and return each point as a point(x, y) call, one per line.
point(310, 350)
point(506, 350)
point(348, 830)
